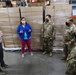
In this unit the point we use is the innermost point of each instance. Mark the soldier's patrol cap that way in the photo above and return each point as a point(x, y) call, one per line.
point(48, 15)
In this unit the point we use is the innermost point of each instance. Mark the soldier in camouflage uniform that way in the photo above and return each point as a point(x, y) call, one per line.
point(71, 62)
point(47, 35)
point(68, 35)
point(71, 59)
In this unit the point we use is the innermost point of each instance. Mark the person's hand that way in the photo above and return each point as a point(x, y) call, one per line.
point(68, 43)
point(21, 31)
point(46, 36)
point(29, 30)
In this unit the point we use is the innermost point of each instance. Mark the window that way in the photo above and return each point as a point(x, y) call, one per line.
point(72, 1)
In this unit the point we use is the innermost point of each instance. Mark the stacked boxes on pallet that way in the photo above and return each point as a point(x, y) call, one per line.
point(14, 19)
point(61, 14)
point(10, 18)
point(5, 27)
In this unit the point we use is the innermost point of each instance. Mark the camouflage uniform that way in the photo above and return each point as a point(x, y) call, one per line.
point(48, 36)
point(71, 60)
point(68, 35)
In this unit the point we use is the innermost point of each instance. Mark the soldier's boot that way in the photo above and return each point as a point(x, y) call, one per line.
point(44, 52)
point(50, 54)
point(63, 58)
point(68, 72)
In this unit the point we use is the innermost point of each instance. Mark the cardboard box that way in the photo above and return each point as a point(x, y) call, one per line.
point(4, 15)
point(14, 19)
point(9, 45)
point(61, 10)
point(14, 29)
point(36, 9)
point(14, 23)
point(26, 15)
point(25, 9)
point(50, 10)
point(4, 10)
point(13, 10)
point(4, 19)
point(2, 23)
point(14, 15)
point(36, 26)
point(37, 46)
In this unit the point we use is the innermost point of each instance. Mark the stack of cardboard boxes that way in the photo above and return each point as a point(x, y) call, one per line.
point(5, 27)
point(10, 18)
point(61, 14)
point(14, 19)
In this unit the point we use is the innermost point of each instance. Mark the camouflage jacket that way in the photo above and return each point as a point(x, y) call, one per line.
point(72, 54)
point(68, 35)
point(48, 31)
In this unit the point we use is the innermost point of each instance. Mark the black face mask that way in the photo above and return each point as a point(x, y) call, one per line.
point(67, 24)
point(75, 35)
point(47, 20)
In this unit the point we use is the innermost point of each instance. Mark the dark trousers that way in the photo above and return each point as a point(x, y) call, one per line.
point(66, 50)
point(1, 56)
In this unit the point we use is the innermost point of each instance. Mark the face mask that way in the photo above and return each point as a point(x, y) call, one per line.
point(67, 24)
point(47, 20)
point(75, 35)
point(23, 22)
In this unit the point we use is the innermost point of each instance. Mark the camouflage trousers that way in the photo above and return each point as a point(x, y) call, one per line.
point(71, 68)
point(48, 44)
point(71, 62)
point(67, 49)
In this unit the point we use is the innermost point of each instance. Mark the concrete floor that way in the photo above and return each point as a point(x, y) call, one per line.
point(37, 64)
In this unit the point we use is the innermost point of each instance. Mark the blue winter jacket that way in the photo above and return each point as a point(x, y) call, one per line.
point(25, 29)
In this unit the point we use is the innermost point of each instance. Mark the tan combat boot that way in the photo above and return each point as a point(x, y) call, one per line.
point(44, 52)
point(63, 58)
point(50, 54)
